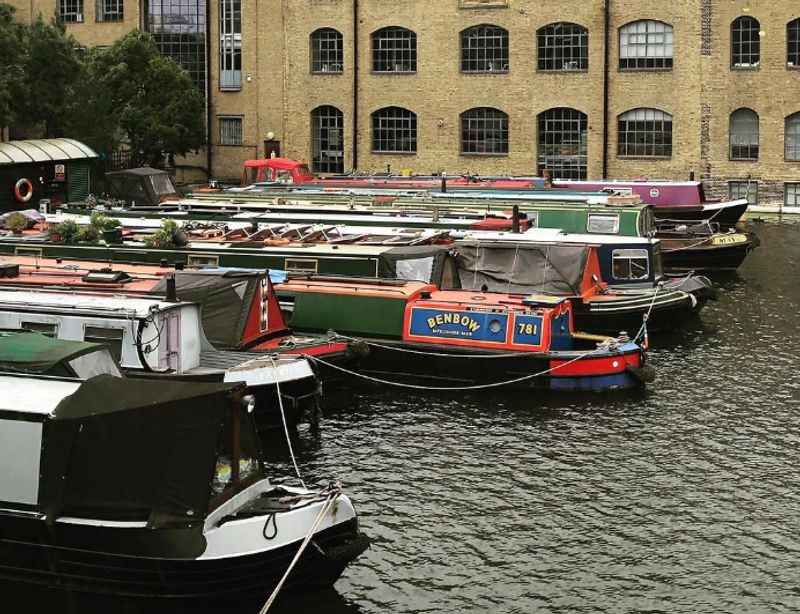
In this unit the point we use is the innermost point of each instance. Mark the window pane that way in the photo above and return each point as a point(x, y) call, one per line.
point(791, 194)
point(327, 140)
point(562, 143)
point(394, 50)
point(645, 45)
point(394, 130)
point(745, 42)
point(563, 46)
point(744, 135)
point(484, 49)
point(743, 190)
point(230, 131)
point(645, 133)
point(110, 337)
point(484, 131)
point(327, 51)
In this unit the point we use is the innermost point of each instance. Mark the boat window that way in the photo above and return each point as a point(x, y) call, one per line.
point(49, 329)
point(34, 252)
point(301, 265)
point(630, 264)
point(111, 337)
point(202, 261)
point(94, 363)
point(238, 440)
point(162, 184)
point(603, 224)
point(533, 219)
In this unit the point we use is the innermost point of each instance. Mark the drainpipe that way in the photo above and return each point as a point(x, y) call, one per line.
point(606, 71)
point(208, 88)
point(355, 84)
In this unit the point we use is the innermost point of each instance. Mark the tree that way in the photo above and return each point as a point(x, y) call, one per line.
point(155, 103)
point(52, 68)
point(11, 69)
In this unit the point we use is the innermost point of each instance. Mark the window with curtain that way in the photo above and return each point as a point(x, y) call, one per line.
point(563, 47)
point(484, 48)
point(484, 131)
point(645, 133)
point(744, 135)
point(646, 45)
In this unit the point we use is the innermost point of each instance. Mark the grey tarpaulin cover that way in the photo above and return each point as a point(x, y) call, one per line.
point(521, 267)
point(428, 263)
point(225, 298)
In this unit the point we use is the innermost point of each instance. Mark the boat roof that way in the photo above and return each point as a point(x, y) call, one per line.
point(44, 150)
point(357, 286)
point(33, 352)
point(54, 300)
point(143, 171)
point(32, 395)
point(553, 235)
point(279, 163)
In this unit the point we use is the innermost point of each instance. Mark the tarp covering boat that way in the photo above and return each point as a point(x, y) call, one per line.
point(513, 268)
point(31, 352)
point(428, 263)
point(226, 297)
point(148, 456)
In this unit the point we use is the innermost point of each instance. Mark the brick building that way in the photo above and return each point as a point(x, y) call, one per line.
point(586, 88)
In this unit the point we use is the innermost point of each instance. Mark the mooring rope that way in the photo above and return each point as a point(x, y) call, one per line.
point(524, 378)
point(333, 494)
point(646, 316)
point(283, 419)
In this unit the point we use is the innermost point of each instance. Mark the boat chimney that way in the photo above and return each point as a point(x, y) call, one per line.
point(172, 292)
point(691, 175)
point(515, 219)
point(444, 182)
point(548, 182)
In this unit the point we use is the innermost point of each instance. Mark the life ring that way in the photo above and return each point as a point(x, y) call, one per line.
point(28, 194)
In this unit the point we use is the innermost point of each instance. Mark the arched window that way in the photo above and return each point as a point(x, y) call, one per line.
point(327, 51)
point(562, 143)
point(327, 140)
point(744, 135)
point(394, 130)
point(394, 49)
point(793, 44)
point(484, 131)
point(563, 46)
point(645, 45)
point(792, 137)
point(645, 133)
point(745, 42)
point(484, 48)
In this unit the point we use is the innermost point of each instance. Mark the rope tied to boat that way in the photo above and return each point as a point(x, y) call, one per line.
point(475, 387)
point(643, 330)
point(283, 419)
point(333, 492)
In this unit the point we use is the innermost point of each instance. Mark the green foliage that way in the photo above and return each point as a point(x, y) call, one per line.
point(16, 222)
point(164, 237)
point(88, 234)
point(66, 232)
point(154, 102)
point(11, 63)
point(102, 223)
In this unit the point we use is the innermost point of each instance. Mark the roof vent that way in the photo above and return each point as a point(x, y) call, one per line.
point(106, 276)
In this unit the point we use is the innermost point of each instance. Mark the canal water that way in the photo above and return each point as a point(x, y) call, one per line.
point(685, 498)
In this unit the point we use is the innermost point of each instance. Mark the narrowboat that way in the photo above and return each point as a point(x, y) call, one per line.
point(153, 490)
point(457, 339)
point(163, 338)
point(614, 281)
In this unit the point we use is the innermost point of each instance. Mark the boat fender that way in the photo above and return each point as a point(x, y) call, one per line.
point(23, 195)
point(645, 374)
point(357, 349)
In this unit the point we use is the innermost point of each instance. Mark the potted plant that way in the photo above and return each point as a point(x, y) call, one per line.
point(164, 237)
point(16, 223)
point(109, 228)
point(66, 232)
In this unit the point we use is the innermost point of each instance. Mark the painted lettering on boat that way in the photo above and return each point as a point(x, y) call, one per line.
point(453, 318)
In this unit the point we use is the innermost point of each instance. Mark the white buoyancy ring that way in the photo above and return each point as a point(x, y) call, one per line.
point(18, 187)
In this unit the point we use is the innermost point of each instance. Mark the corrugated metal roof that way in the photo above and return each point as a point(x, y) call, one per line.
point(43, 150)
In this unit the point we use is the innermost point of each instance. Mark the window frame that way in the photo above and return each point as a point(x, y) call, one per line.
point(653, 144)
point(227, 118)
point(102, 15)
point(119, 336)
point(392, 53)
point(796, 186)
point(791, 122)
point(77, 15)
point(483, 63)
point(230, 45)
point(794, 24)
point(490, 114)
point(549, 30)
point(591, 218)
point(748, 146)
point(668, 34)
point(630, 254)
point(571, 117)
point(317, 140)
point(741, 65)
point(318, 54)
point(746, 182)
point(400, 114)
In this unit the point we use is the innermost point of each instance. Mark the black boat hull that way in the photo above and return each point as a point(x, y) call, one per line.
point(706, 257)
point(727, 216)
point(38, 561)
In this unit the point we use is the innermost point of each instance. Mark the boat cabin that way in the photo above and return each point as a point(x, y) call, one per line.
point(142, 186)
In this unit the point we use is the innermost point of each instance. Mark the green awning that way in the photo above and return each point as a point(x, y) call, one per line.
point(32, 352)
